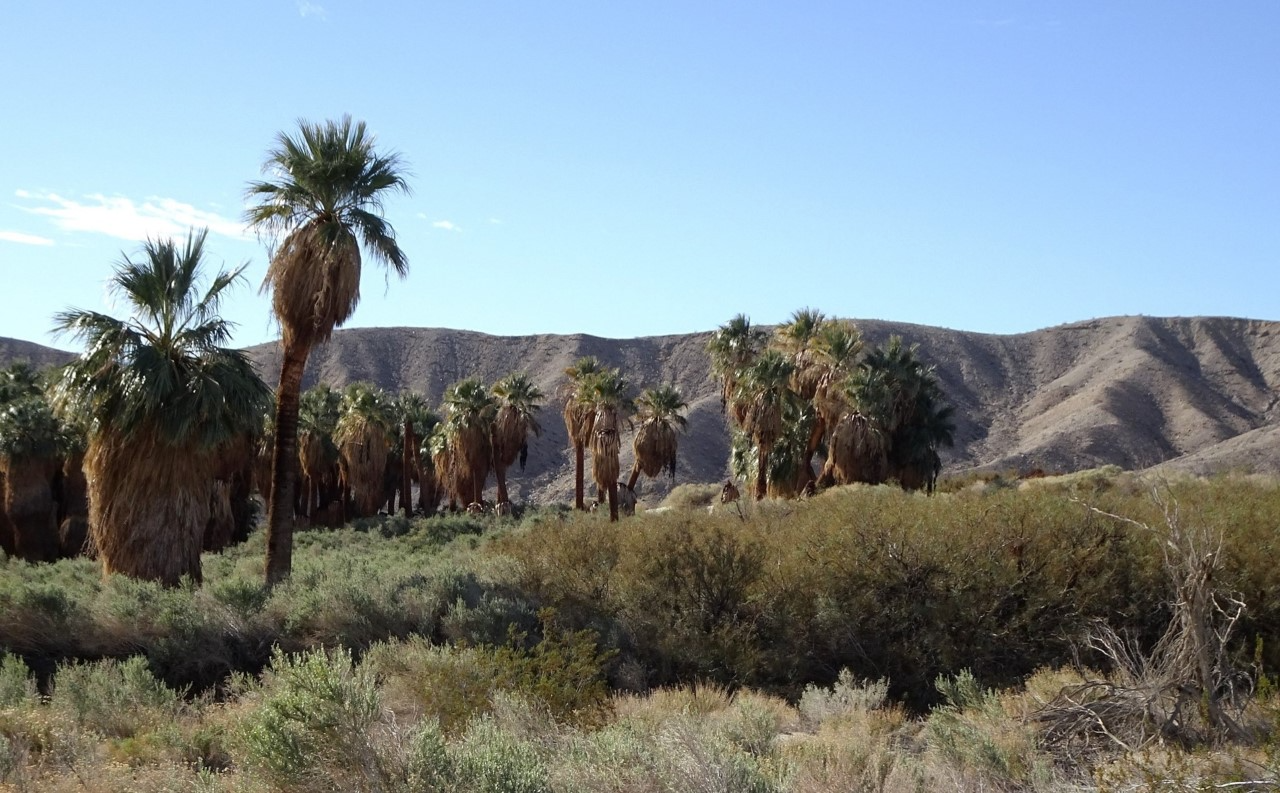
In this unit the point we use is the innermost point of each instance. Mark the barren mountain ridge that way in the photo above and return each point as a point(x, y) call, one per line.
point(1196, 394)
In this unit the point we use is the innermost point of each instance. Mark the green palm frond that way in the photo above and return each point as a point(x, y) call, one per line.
point(30, 430)
point(663, 405)
point(518, 394)
point(164, 367)
point(18, 381)
point(329, 173)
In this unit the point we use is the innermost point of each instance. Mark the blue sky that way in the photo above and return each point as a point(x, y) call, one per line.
point(627, 169)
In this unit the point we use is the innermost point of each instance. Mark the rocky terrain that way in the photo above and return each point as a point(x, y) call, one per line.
point(1196, 394)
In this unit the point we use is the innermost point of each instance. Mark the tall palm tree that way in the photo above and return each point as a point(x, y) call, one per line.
point(470, 415)
point(518, 407)
point(363, 436)
point(579, 418)
point(733, 347)
point(763, 389)
point(324, 194)
point(661, 414)
point(606, 392)
point(160, 393)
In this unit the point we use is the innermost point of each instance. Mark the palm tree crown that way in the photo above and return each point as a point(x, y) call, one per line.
point(164, 369)
point(326, 198)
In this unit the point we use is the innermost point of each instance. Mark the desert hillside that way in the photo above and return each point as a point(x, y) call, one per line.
point(1190, 393)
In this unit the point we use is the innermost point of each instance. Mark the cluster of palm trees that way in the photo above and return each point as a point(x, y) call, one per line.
point(363, 449)
point(596, 408)
point(810, 387)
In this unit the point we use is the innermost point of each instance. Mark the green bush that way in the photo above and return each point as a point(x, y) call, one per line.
point(17, 688)
point(492, 760)
point(312, 728)
point(118, 699)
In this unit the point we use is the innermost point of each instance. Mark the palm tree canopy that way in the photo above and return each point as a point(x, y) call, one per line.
point(469, 405)
point(517, 394)
point(30, 430)
point(732, 348)
point(796, 335)
point(364, 406)
point(663, 405)
point(763, 389)
point(319, 409)
point(164, 368)
point(19, 380)
point(324, 195)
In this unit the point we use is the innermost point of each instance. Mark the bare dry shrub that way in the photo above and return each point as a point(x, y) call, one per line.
point(1185, 689)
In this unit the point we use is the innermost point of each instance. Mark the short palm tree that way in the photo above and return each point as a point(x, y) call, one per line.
point(324, 194)
point(579, 418)
point(470, 415)
point(762, 390)
point(606, 392)
point(363, 436)
point(160, 392)
point(517, 417)
point(733, 347)
point(660, 412)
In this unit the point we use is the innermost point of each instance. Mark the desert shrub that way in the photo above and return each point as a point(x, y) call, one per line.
point(564, 671)
point(684, 594)
point(312, 727)
point(446, 686)
point(973, 734)
point(846, 697)
point(691, 496)
point(119, 699)
point(490, 759)
point(17, 687)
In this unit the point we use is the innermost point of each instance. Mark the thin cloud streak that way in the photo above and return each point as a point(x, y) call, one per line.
point(445, 225)
point(308, 9)
point(122, 218)
point(24, 239)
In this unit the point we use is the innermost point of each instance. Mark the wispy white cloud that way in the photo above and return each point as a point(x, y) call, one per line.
point(123, 218)
point(445, 225)
point(24, 239)
point(495, 222)
point(309, 9)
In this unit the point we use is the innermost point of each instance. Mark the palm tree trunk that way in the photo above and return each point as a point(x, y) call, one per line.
point(762, 473)
point(284, 465)
point(406, 496)
point(613, 502)
point(500, 472)
point(635, 474)
point(579, 463)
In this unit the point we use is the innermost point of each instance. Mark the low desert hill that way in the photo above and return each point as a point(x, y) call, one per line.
point(1196, 394)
